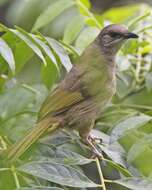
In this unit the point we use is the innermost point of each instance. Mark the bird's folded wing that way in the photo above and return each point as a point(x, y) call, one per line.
point(59, 101)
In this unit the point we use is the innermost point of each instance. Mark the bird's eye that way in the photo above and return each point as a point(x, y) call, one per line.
point(115, 35)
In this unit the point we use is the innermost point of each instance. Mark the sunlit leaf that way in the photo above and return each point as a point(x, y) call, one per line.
point(7, 54)
point(46, 49)
point(120, 14)
point(86, 3)
point(31, 44)
point(61, 53)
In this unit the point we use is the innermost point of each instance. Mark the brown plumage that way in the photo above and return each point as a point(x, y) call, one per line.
point(79, 99)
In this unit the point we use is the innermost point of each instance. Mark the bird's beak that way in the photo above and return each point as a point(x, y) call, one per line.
point(131, 35)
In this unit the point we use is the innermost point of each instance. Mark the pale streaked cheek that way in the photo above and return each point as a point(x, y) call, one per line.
point(106, 39)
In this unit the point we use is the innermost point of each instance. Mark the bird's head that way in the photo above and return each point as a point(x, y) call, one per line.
point(113, 36)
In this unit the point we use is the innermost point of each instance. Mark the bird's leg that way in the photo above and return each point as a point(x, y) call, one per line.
point(95, 139)
point(88, 140)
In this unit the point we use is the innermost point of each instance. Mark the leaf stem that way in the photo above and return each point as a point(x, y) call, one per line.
point(100, 174)
point(28, 87)
point(4, 169)
point(89, 14)
point(108, 181)
point(136, 106)
point(15, 177)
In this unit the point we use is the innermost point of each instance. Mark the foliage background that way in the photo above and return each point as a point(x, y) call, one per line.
point(39, 46)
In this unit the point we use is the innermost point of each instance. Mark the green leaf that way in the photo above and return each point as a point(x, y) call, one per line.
point(30, 43)
point(22, 54)
point(71, 49)
point(146, 49)
point(16, 112)
point(86, 37)
point(121, 169)
point(3, 28)
point(115, 153)
point(135, 21)
point(131, 123)
point(73, 29)
point(120, 14)
point(7, 54)
point(140, 155)
point(20, 124)
point(56, 139)
point(39, 188)
point(10, 39)
point(86, 3)
point(49, 73)
point(60, 174)
point(124, 84)
point(123, 63)
point(66, 157)
point(46, 49)
point(20, 114)
point(61, 53)
point(122, 78)
point(52, 12)
point(135, 183)
point(149, 81)
point(19, 103)
point(139, 147)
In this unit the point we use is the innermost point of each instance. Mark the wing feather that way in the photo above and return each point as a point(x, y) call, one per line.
point(59, 100)
point(69, 92)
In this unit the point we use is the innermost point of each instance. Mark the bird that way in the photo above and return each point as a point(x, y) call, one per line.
point(80, 98)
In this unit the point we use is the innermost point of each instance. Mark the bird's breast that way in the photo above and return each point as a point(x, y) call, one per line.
point(99, 74)
point(101, 84)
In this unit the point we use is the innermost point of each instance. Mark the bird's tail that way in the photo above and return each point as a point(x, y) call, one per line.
point(16, 150)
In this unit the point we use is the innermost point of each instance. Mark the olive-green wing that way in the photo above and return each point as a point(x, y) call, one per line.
point(59, 101)
point(69, 92)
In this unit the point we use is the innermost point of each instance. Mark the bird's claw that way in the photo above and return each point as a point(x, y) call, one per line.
point(96, 154)
point(94, 139)
point(91, 142)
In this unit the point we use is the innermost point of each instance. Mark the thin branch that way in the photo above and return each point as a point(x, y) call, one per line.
point(100, 174)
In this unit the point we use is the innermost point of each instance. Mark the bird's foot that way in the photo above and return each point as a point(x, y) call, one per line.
point(94, 139)
point(91, 142)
